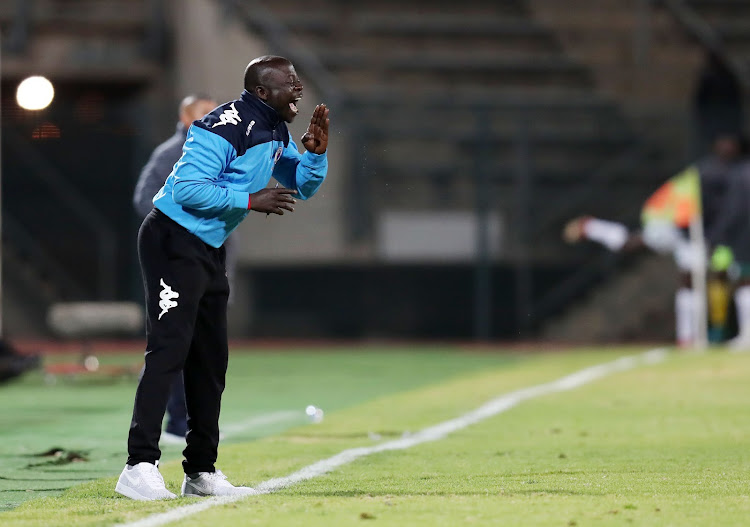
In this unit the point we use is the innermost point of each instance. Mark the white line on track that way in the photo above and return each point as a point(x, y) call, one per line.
point(433, 433)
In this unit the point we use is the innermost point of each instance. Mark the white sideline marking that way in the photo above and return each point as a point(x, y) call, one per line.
point(433, 433)
point(262, 420)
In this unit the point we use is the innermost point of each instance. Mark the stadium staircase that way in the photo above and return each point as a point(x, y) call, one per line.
point(632, 305)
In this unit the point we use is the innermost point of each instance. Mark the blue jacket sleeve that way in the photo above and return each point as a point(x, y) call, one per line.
point(197, 174)
point(303, 173)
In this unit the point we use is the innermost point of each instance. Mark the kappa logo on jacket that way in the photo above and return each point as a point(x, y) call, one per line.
point(167, 295)
point(230, 116)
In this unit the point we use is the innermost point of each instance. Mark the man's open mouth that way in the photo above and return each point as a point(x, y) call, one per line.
point(293, 106)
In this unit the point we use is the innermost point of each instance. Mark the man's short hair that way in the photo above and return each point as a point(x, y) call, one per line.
point(258, 68)
point(191, 99)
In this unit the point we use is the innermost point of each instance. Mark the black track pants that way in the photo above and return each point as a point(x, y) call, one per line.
point(186, 304)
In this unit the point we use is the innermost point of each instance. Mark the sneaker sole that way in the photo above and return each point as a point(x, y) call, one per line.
point(134, 495)
point(191, 492)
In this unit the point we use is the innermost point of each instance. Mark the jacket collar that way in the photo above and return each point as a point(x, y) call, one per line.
point(270, 115)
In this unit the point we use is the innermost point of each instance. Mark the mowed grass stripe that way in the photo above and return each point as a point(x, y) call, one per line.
point(345, 379)
point(436, 432)
point(517, 470)
point(91, 415)
point(95, 503)
point(651, 447)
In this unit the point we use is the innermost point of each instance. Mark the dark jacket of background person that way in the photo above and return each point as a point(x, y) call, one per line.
point(715, 175)
point(732, 227)
point(716, 170)
point(157, 169)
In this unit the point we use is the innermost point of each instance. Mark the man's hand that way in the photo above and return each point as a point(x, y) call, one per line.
point(315, 139)
point(573, 231)
point(273, 200)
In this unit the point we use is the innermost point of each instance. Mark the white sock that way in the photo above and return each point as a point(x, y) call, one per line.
point(609, 233)
point(742, 303)
point(684, 307)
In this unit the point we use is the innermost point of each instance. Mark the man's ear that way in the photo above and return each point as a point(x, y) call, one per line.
point(261, 92)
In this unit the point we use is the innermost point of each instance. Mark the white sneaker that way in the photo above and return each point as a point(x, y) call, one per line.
point(143, 482)
point(212, 484)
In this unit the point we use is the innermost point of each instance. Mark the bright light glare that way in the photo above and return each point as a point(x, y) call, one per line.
point(35, 93)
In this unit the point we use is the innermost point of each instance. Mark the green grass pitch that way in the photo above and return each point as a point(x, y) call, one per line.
point(664, 444)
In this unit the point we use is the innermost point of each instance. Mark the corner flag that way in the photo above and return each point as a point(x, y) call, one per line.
point(678, 200)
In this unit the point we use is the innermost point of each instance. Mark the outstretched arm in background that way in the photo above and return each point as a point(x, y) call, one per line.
point(614, 236)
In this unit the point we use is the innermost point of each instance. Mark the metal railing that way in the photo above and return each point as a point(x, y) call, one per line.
point(531, 220)
point(34, 255)
point(592, 184)
point(78, 206)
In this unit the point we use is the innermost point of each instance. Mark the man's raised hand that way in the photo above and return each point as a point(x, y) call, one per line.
point(273, 200)
point(315, 139)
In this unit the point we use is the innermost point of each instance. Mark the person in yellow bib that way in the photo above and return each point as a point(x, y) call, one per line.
point(700, 188)
point(731, 237)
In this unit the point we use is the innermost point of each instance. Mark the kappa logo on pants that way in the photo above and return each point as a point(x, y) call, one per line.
point(166, 303)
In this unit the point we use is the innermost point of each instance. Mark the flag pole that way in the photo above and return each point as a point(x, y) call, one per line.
point(698, 278)
point(1, 199)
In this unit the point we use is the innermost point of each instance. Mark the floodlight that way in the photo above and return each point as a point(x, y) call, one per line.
point(35, 93)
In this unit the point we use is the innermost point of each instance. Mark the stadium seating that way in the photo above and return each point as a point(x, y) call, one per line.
point(433, 86)
point(570, 85)
point(110, 40)
point(543, 109)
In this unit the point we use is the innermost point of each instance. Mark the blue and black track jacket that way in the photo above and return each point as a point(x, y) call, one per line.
point(229, 154)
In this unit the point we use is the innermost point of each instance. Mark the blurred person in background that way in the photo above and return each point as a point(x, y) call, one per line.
point(731, 238)
point(227, 162)
point(152, 178)
point(665, 218)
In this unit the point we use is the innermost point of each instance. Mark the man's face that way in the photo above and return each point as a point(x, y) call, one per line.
point(727, 147)
point(281, 91)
